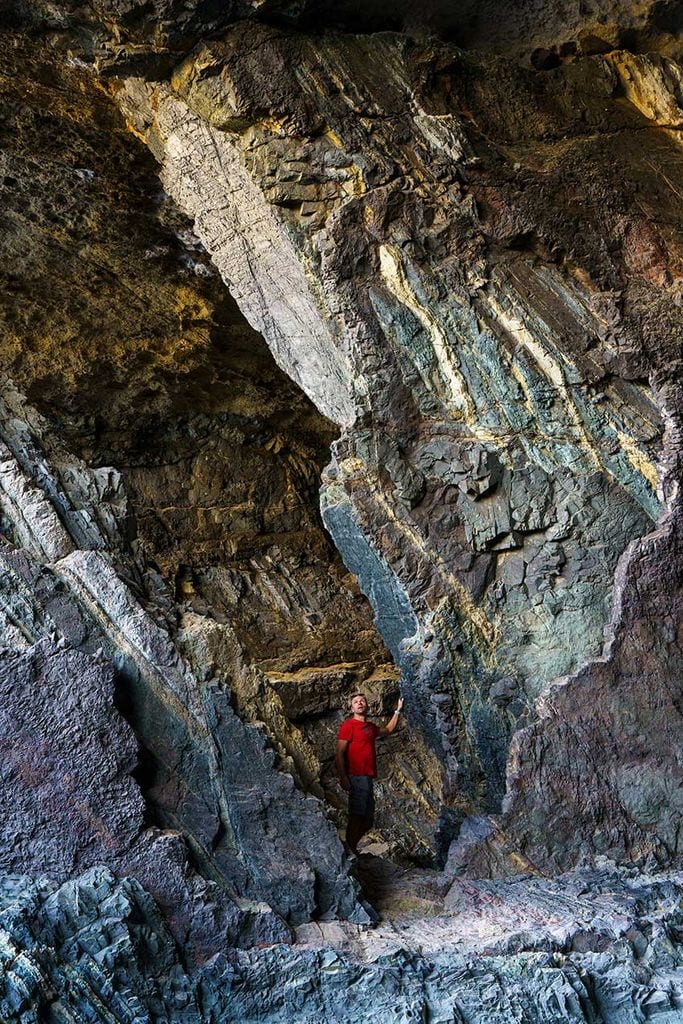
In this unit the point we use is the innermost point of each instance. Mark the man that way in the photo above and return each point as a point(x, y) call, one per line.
point(357, 767)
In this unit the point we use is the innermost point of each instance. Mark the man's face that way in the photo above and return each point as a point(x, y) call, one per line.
point(359, 705)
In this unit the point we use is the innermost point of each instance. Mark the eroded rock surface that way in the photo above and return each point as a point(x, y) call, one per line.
point(470, 263)
point(88, 619)
point(143, 362)
point(75, 625)
point(494, 321)
point(609, 950)
point(150, 35)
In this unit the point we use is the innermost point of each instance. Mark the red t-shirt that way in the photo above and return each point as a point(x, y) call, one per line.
point(360, 752)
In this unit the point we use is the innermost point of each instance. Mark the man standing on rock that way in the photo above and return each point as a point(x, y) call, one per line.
point(357, 767)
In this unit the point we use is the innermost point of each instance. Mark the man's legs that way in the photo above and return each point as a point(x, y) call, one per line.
point(355, 830)
point(361, 809)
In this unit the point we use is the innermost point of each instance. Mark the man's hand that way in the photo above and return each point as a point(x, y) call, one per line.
point(386, 730)
point(344, 783)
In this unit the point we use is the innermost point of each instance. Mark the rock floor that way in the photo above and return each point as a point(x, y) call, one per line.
point(593, 947)
point(421, 912)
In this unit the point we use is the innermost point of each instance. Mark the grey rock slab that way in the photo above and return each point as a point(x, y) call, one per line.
point(254, 255)
point(98, 949)
point(68, 797)
point(35, 523)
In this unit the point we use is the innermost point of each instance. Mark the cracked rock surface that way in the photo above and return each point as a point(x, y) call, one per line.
point(340, 352)
point(445, 258)
point(587, 948)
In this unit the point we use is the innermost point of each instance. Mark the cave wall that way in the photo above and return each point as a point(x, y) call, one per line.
point(469, 262)
point(151, 35)
point(474, 268)
point(292, 313)
point(179, 637)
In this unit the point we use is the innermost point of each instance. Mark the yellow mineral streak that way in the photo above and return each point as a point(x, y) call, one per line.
point(354, 467)
point(474, 613)
point(394, 276)
point(652, 84)
point(334, 138)
point(524, 385)
point(135, 131)
point(355, 185)
point(637, 457)
point(552, 369)
point(193, 68)
point(274, 125)
point(474, 623)
point(182, 77)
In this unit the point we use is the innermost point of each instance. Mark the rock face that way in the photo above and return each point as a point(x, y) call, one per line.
point(76, 626)
point(119, 329)
point(153, 34)
point(88, 624)
point(442, 256)
point(301, 328)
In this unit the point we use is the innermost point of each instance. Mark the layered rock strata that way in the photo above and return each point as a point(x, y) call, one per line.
point(472, 268)
point(116, 325)
point(73, 626)
point(443, 256)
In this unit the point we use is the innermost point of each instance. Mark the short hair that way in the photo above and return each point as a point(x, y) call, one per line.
point(354, 695)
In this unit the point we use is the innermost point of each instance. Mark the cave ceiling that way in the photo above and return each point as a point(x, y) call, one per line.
point(553, 29)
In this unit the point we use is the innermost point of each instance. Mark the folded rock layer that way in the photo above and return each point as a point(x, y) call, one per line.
point(291, 316)
point(439, 249)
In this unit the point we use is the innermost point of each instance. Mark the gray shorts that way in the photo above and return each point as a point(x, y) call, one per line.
point(361, 796)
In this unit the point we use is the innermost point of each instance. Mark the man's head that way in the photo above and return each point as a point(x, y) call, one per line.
point(359, 704)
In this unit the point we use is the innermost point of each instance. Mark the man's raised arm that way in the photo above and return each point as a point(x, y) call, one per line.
point(387, 729)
